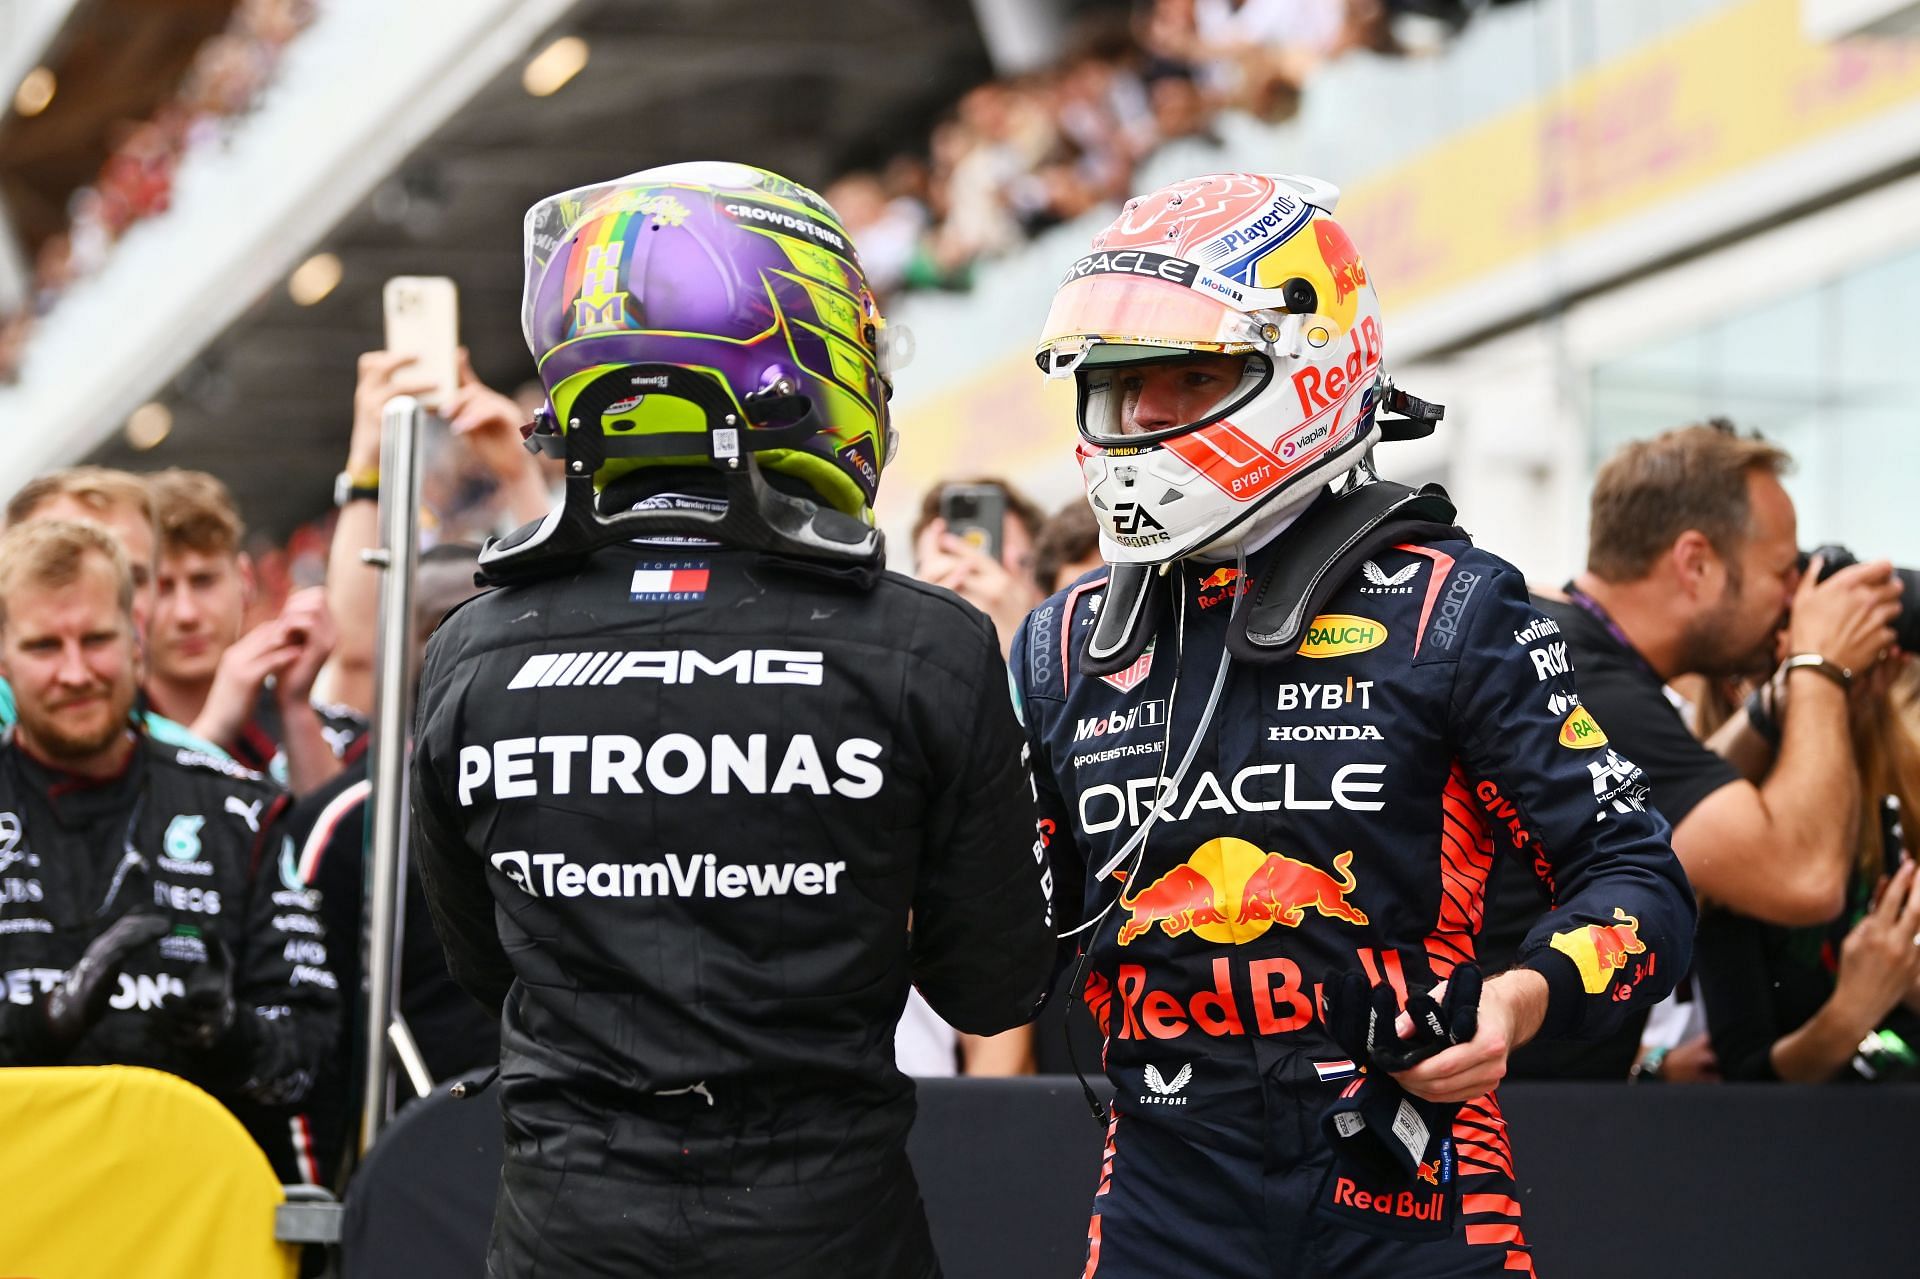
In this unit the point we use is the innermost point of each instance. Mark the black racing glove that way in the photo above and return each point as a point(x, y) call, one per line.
point(1376, 1123)
point(201, 1019)
point(47, 1029)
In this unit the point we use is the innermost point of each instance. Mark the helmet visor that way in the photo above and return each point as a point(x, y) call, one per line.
point(549, 242)
point(1136, 311)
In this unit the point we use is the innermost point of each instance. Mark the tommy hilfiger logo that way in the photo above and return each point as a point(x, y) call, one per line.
point(669, 583)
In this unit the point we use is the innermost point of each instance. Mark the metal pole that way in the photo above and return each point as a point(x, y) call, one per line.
point(398, 558)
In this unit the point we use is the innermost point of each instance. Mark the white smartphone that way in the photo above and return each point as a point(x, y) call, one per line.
point(423, 320)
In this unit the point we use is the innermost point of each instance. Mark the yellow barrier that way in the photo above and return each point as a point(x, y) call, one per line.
point(114, 1172)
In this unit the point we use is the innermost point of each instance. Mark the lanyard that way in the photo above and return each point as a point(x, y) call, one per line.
point(1605, 619)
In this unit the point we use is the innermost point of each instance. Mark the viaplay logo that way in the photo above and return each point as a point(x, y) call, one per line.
point(1231, 892)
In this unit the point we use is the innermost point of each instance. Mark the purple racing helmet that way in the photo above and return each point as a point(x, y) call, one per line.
point(728, 272)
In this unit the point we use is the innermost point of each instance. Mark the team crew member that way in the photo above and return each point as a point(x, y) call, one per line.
point(118, 502)
point(703, 787)
point(150, 913)
point(249, 690)
point(1280, 743)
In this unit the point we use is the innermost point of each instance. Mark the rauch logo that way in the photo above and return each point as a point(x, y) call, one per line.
point(1338, 634)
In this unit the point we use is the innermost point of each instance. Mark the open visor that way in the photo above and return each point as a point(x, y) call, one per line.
point(1133, 310)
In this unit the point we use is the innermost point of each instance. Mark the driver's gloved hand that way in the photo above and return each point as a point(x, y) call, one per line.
point(201, 1019)
point(1375, 1123)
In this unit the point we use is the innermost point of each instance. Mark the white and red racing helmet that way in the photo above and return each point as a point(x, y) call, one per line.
point(1228, 264)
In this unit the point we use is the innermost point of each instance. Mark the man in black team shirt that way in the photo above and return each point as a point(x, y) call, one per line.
point(1692, 567)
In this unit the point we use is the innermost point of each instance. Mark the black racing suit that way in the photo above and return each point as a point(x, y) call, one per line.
point(202, 842)
point(695, 816)
point(1341, 814)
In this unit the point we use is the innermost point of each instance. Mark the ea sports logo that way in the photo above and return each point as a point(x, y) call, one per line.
point(1130, 518)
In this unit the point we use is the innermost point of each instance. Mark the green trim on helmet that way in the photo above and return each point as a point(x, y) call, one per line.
point(826, 479)
point(654, 415)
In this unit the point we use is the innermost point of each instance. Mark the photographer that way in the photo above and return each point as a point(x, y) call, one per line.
point(1692, 563)
point(1837, 1001)
point(977, 540)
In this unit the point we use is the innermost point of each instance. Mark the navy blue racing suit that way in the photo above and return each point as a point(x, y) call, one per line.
point(1342, 813)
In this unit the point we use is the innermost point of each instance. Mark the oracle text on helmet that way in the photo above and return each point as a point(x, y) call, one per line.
point(1133, 262)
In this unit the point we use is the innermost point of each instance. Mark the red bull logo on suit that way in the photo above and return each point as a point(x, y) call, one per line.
point(1601, 950)
point(1230, 892)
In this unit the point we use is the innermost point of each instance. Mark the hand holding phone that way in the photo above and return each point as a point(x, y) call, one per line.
point(423, 321)
point(976, 513)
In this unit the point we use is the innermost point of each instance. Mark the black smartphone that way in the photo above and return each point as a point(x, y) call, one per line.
point(976, 513)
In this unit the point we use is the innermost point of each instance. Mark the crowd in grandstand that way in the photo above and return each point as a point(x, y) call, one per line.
point(225, 79)
point(1014, 157)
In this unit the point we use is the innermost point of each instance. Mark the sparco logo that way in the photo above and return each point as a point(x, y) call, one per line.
point(1446, 626)
point(1148, 714)
point(1040, 645)
point(701, 875)
point(669, 666)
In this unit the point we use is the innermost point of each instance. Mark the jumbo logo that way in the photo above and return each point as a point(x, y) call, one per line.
point(1231, 891)
point(1581, 731)
point(1601, 950)
point(1339, 634)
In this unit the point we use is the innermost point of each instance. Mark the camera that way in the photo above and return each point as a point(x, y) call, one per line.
point(1906, 625)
